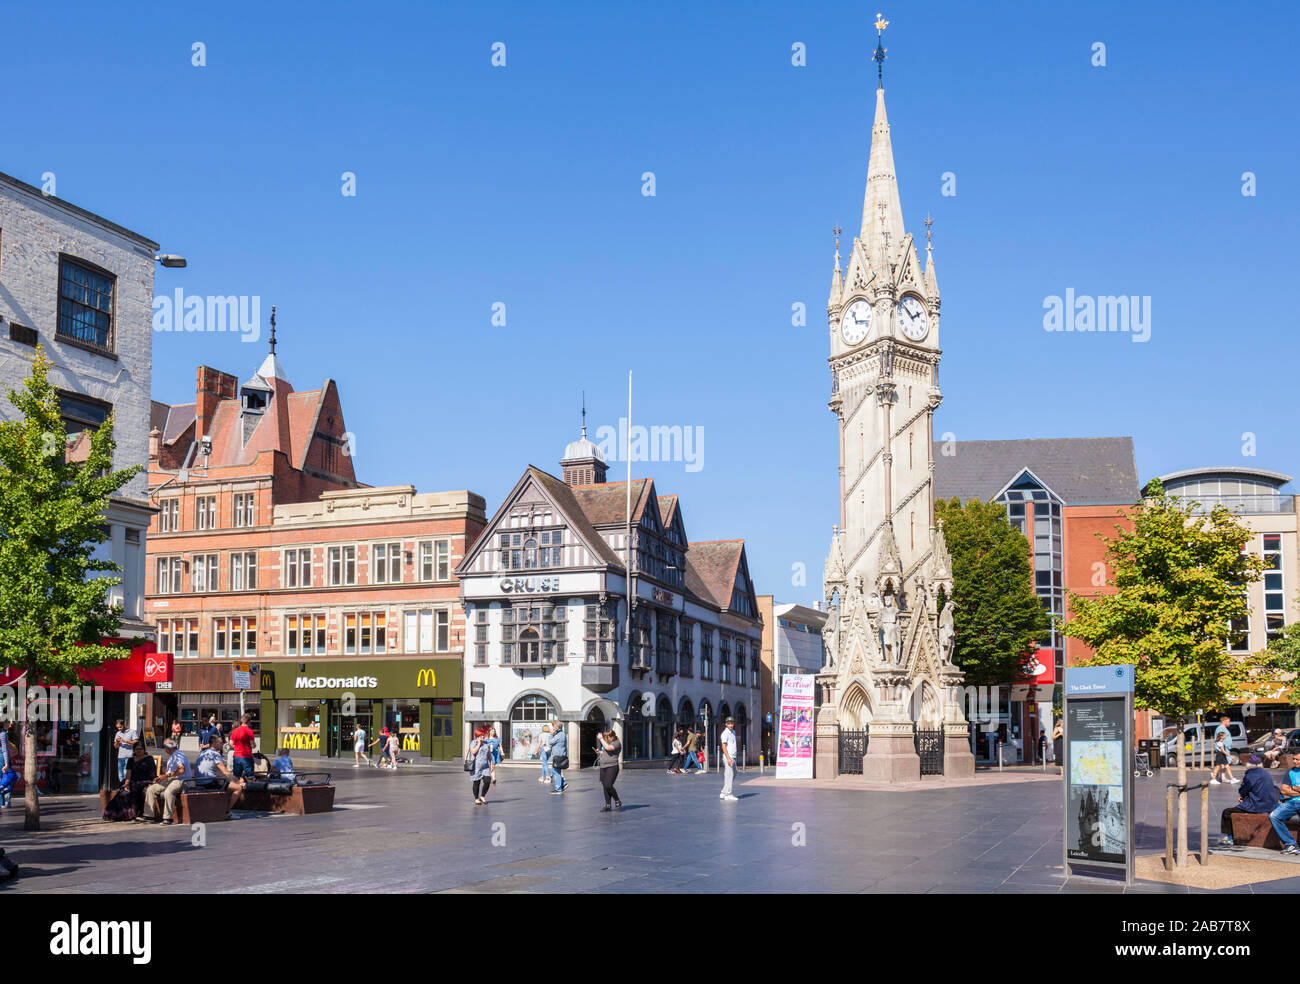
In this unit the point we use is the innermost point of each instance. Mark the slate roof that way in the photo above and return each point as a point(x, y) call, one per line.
point(605, 504)
point(711, 569)
point(1081, 470)
point(573, 508)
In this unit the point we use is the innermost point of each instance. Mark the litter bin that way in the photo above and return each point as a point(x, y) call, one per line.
point(1151, 746)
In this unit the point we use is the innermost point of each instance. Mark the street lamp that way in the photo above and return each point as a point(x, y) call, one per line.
point(173, 260)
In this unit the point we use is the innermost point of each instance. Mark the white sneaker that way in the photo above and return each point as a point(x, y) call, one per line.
point(731, 799)
point(1234, 780)
point(1215, 782)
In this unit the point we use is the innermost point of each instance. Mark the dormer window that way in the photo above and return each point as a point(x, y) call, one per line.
point(254, 401)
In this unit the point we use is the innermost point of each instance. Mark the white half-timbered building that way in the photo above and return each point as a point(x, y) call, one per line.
point(546, 591)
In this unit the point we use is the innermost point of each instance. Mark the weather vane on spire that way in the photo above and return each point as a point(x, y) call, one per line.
point(584, 413)
point(837, 230)
point(879, 56)
point(929, 233)
point(273, 329)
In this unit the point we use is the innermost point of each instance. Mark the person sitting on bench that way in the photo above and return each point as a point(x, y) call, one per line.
point(168, 787)
point(1258, 795)
point(282, 768)
point(211, 767)
point(1290, 805)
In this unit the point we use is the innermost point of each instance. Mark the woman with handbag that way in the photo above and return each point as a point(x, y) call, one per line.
point(607, 750)
point(559, 758)
point(480, 772)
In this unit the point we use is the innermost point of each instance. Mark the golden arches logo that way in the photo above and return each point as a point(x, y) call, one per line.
point(426, 678)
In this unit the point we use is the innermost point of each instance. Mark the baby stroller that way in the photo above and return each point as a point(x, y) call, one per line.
point(1142, 765)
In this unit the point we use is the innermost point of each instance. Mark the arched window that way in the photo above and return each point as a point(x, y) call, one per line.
point(663, 728)
point(530, 552)
point(526, 720)
point(636, 729)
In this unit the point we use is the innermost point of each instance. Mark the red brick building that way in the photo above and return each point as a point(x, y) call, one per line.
point(267, 550)
point(1060, 493)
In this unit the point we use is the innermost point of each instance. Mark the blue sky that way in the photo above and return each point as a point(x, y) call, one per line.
point(522, 185)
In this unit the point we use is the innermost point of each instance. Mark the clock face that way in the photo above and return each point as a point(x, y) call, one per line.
point(856, 322)
point(913, 318)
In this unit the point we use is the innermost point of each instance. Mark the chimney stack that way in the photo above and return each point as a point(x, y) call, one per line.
point(213, 387)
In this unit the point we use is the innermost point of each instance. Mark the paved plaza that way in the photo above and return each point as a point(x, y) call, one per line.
point(419, 831)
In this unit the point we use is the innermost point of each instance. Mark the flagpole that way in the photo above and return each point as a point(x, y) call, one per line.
point(628, 579)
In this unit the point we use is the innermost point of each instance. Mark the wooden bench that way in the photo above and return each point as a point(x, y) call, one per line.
point(1254, 830)
point(202, 805)
point(300, 800)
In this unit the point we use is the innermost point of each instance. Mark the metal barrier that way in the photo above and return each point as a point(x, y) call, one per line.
point(929, 747)
point(853, 748)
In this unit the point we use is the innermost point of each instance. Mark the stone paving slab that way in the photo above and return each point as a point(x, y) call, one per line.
point(419, 831)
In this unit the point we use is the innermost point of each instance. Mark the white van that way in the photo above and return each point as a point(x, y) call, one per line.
point(1194, 735)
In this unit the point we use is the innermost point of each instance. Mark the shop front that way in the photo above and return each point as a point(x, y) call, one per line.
point(314, 708)
point(74, 726)
point(197, 692)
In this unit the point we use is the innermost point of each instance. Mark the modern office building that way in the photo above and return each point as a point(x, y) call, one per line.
point(1261, 502)
point(546, 592)
point(792, 643)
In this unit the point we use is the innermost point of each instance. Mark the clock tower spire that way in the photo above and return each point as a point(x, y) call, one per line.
point(888, 670)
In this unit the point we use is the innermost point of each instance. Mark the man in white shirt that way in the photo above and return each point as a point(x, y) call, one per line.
point(123, 741)
point(728, 760)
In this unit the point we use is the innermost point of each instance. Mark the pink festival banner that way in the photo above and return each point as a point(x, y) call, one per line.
point(794, 737)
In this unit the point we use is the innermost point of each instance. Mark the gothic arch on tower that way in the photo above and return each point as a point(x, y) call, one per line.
point(925, 707)
point(855, 706)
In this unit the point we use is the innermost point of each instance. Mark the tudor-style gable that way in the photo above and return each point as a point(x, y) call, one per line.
point(538, 528)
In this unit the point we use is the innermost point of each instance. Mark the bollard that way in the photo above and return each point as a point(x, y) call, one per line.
point(1169, 828)
point(1205, 824)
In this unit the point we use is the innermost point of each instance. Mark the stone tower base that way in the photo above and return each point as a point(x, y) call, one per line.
point(891, 758)
point(958, 759)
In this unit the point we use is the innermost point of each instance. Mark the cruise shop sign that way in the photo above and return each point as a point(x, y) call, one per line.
point(365, 678)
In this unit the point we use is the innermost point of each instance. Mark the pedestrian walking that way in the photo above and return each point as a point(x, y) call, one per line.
point(494, 747)
point(728, 760)
point(559, 759)
point(359, 746)
point(1222, 742)
point(608, 748)
point(381, 740)
point(678, 762)
point(544, 753)
point(481, 772)
point(394, 746)
point(1058, 745)
point(691, 759)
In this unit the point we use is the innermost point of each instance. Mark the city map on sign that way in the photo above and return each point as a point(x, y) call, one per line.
point(1097, 763)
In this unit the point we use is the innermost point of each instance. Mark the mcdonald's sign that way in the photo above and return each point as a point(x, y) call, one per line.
point(426, 678)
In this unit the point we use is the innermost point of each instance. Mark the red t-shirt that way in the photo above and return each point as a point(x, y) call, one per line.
point(241, 742)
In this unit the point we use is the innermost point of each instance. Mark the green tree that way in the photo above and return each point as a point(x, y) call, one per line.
point(997, 619)
point(1179, 580)
point(54, 607)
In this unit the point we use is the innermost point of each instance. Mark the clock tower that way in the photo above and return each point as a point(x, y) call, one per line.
point(889, 678)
